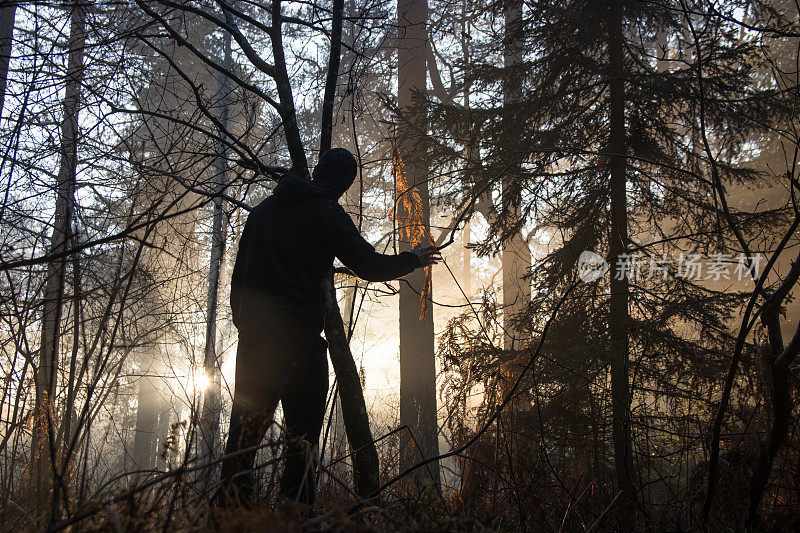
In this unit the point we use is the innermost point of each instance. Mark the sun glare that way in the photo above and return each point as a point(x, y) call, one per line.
point(201, 381)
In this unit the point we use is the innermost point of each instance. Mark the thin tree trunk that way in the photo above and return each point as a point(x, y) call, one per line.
point(466, 253)
point(516, 259)
point(326, 128)
point(145, 434)
point(46, 376)
point(469, 477)
point(64, 434)
point(7, 14)
point(417, 361)
point(354, 409)
point(618, 317)
point(285, 95)
point(212, 404)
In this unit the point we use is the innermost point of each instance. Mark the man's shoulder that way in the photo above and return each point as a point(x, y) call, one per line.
point(311, 207)
point(260, 208)
point(329, 206)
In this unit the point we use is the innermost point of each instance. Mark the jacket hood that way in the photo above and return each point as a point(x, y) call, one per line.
point(292, 187)
point(336, 170)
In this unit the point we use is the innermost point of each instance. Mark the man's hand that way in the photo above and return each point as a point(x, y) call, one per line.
point(428, 255)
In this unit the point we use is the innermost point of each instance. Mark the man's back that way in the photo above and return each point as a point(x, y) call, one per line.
point(287, 248)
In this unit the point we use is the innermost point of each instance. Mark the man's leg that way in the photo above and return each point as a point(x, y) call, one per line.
point(260, 378)
point(303, 403)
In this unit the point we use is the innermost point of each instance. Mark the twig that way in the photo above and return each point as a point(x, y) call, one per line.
point(604, 513)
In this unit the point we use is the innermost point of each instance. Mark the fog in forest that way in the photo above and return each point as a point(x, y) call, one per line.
point(579, 314)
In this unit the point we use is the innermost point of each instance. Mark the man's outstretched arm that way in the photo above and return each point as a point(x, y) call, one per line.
point(360, 256)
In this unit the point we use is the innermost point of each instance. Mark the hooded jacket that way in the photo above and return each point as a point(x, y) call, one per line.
point(287, 248)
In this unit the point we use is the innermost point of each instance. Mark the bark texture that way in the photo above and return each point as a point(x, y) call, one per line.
point(417, 362)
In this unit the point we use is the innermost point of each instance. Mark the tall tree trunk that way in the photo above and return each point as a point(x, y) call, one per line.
point(46, 377)
point(163, 429)
point(466, 253)
point(145, 434)
point(516, 259)
point(354, 409)
point(212, 404)
point(469, 477)
point(417, 362)
point(7, 14)
point(618, 316)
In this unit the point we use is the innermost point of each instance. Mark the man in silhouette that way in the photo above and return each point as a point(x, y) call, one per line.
point(285, 252)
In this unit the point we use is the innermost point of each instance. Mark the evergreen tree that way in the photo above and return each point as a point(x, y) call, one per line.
point(605, 159)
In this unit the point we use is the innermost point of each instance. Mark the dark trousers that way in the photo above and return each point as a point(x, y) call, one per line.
point(277, 364)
